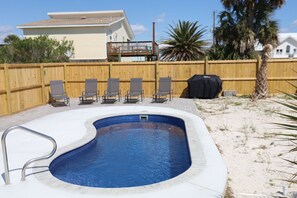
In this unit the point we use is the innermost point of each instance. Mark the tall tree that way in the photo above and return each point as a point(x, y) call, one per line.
point(185, 42)
point(234, 39)
point(254, 19)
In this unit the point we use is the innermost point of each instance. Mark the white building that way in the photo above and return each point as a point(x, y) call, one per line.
point(287, 47)
point(89, 31)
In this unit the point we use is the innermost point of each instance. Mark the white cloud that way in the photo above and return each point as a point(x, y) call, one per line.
point(294, 23)
point(160, 18)
point(4, 31)
point(138, 29)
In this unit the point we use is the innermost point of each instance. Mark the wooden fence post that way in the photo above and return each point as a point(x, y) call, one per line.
point(258, 65)
point(7, 88)
point(109, 70)
point(156, 75)
point(205, 65)
point(42, 83)
point(65, 76)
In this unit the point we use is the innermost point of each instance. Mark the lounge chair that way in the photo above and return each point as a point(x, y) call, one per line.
point(91, 91)
point(57, 92)
point(112, 91)
point(164, 90)
point(135, 90)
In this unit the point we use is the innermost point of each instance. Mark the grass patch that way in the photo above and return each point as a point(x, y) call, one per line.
point(237, 103)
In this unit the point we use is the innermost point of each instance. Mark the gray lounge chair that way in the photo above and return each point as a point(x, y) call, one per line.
point(57, 92)
point(164, 90)
point(112, 91)
point(91, 91)
point(135, 90)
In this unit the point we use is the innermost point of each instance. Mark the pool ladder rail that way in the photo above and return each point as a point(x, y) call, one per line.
point(4, 150)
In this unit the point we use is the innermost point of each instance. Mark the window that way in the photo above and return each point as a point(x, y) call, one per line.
point(277, 51)
point(280, 51)
point(288, 49)
point(295, 51)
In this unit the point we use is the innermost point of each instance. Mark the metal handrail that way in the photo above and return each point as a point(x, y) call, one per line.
point(4, 150)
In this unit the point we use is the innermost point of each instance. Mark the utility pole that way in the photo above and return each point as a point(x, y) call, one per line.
point(153, 42)
point(213, 31)
point(213, 27)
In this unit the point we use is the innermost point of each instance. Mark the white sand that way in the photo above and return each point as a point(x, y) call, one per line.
point(239, 128)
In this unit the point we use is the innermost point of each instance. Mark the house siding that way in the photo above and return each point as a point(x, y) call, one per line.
point(88, 42)
point(117, 33)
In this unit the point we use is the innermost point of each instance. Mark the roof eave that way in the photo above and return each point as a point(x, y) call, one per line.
point(61, 26)
point(79, 13)
point(130, 31)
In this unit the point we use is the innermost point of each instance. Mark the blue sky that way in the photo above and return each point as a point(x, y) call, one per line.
point(140, 13)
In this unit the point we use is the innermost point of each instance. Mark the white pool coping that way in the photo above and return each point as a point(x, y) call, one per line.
point(206, 177)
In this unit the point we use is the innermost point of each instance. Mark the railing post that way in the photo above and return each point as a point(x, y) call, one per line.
point(4, 151)
point(7, 89)
point(5, 159)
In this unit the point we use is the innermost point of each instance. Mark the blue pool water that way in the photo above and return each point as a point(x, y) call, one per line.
point(130, 150)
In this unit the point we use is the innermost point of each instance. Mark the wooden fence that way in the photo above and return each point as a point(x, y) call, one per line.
point(24, 86)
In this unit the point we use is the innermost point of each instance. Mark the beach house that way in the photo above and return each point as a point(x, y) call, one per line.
point(286, 48)
point(89, 31)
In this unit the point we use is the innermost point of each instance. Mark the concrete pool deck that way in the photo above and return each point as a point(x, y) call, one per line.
point(207, 175)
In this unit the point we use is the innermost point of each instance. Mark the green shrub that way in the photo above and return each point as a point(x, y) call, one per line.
point(41, 49)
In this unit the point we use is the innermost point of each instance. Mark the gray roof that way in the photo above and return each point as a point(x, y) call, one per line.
point(81, 19)
point(290, 40)
point(72, 22)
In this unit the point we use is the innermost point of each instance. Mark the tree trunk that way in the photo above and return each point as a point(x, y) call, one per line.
point(261, 89)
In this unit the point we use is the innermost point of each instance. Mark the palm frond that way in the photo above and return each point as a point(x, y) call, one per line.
point(185, 42)
point(292, 137)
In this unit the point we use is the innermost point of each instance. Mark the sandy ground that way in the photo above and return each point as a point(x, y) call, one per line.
point(242, 131)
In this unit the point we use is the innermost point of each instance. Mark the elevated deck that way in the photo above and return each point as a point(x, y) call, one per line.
point(133, 48)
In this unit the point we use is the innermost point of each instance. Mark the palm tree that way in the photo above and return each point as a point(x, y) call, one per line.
point(185, 42)
point(257, 15)
point(234, 38)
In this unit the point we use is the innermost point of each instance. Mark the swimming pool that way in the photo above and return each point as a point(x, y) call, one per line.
point(130, 150)
point(206, 176)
